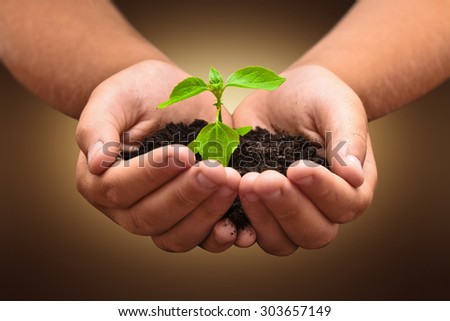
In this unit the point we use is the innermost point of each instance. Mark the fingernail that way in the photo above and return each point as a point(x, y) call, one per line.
point(204, 181)
point(93, 150)
point(272, 195)
point(304, 181)
point(357, 177)
point(225, 191)
point(353, 161)
point(251, 197)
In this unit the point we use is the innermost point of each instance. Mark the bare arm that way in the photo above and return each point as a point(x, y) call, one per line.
point(389, 52)
point(61, 50)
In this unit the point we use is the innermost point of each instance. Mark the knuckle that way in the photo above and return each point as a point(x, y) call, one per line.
point(320, 239)
point(183, 198)
point(318, 243)
point(326, 193)
point(80, 133)
point(137, 224)
point(85, 189)
point(354, 211)
point(111, 196)
point(82, 186)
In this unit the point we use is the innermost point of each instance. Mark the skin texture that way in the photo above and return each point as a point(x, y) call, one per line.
point(382, 55)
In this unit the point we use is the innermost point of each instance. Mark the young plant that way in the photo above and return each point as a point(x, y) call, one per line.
point(216, 140)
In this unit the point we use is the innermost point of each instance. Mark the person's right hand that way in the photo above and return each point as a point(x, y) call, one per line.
point(163, 193)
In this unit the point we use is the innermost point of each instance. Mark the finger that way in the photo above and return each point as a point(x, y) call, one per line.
point(270, 235)
point(225, 234)
point(100, 126)
point(344, 127)
point(126, 182)
point(300, 219)
point(246, 237)
point(338, 200)
point(166, 206)
point(221, 238)
point(195, 227)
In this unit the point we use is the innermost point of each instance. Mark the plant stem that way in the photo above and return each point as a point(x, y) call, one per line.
point(219, 111)
point(218, 104)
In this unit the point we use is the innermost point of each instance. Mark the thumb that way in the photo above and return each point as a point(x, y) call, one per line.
point(98, 134)
point(346, 140)
point(346, 152)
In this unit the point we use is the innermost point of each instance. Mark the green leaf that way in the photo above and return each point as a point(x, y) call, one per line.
point(242, 131)
point(256, 78)
point(194, 146)
point(215, 78)
point(185, 89)
point(216, 141)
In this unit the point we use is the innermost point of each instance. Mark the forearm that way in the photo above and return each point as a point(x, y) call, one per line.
point(61, 50)
point(389, 51)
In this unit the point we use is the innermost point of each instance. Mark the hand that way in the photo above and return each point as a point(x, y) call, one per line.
point(163, 193)
point(305, 208)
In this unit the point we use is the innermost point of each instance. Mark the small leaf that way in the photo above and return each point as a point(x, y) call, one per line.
point(215, 77)
point(256, 78)
point(201, 139)
point(216, 141)
point(185, 89)
point(215, 82)
point(194, 146)
point(242, 131)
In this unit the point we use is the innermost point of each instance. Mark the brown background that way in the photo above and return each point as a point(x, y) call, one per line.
point(53, 245)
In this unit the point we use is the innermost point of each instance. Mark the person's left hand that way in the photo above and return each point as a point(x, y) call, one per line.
point(304, 208)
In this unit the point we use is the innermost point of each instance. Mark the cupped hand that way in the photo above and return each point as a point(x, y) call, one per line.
point(305, 207)
point(164, 193)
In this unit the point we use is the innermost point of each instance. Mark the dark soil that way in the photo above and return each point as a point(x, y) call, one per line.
point(258, 151)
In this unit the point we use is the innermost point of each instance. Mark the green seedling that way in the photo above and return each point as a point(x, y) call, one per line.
point(216, 140)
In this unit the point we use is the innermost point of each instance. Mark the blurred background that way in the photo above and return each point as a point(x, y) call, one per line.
point(54, 245)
